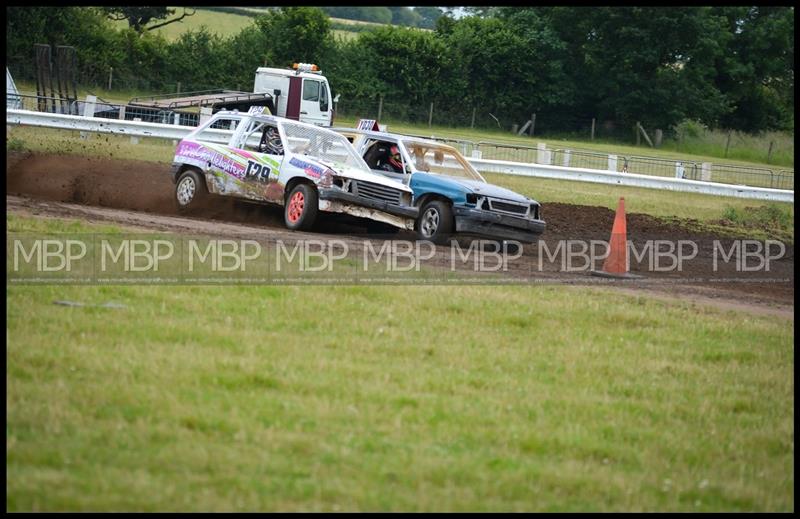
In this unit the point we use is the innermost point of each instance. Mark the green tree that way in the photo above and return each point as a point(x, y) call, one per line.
point(648, 64)
point(296, 34)
point(198, 59)
point(139, 17)
point(405, 16)
point(26, 26)
point(428, 16)
point(506, 68)
point(245, 52)
point(756, 71)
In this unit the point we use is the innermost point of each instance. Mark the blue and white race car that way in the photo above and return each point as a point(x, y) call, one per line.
point(452, 197)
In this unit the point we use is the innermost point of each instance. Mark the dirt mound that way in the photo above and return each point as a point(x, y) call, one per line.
point(123, 184)
point(146, 187)
point(137, 185)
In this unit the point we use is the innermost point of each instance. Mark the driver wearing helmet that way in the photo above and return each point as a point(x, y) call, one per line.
point(394, 162)
point(271, 142)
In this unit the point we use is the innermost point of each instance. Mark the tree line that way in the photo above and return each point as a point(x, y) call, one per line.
point(726, 67)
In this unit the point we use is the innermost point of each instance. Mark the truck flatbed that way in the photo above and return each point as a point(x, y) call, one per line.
point(204, 98)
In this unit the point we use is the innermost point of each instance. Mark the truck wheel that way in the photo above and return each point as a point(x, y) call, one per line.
point(190, 190)
point(300, 210)
point(435, 222)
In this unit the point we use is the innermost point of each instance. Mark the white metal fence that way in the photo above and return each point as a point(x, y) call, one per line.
point(604, 176)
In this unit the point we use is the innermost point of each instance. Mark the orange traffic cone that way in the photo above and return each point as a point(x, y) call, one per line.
point(616, 264)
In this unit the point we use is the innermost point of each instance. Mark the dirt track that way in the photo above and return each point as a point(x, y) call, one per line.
point(140, 194)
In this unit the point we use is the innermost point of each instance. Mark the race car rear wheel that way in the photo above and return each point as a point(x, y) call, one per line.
point(435, 222)
point(190, 190)
point(301, 208)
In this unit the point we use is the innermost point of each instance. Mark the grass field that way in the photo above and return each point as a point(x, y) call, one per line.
point(244, 398)
point(745, 150)
point(742, 146)
point(221, 23)
point(688, 152)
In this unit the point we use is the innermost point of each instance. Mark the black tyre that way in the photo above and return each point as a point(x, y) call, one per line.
point(435, 222)
point(190, 191)
point(301, 208)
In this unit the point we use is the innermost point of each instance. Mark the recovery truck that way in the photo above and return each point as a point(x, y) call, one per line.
point(301, 93)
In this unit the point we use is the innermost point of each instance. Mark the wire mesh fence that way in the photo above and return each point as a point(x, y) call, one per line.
point(462, 115)
point(641, 165)
point(778, 178)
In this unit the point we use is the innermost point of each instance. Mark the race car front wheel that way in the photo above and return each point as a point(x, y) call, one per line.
point(190, 191)
point(435, 222)
point(300, 210)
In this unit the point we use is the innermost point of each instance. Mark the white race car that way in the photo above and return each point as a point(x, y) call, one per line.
point(303, 167)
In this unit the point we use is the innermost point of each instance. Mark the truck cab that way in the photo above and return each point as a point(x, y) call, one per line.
point(302, 94)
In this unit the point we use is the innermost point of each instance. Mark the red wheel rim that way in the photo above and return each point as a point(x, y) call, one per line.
point(295, 209)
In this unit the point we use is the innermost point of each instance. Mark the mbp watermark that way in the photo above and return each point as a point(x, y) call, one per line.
point(749, 255)
point(48, 255)
point(175, 258)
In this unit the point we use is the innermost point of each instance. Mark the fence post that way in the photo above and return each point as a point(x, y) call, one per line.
point(638, 137)
point(135, 140)
point(612, 163)
point(567, 154)
point(678, 170)
point(178, 89)
point(110, 75)
point(541, 153)
point(769, 153)
point(533, 123)
point(705, 172)
point(430, 115)
point(88, 111)
point(122, 112)
point(592, 128)
point(728, 143)
point(380, 108)
point(472, 124)
point(205, 114)
point(88, 107)
point(176, 118)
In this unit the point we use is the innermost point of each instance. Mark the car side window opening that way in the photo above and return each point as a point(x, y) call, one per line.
point(310, 90)
point(385, 156)
point(418, 154)
point(375, 155)
point(441, 161)
point(271, 141)
point(223, 123)
point(394, 161)
point(250, 137)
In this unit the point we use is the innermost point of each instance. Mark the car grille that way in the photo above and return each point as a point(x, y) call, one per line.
point(508, 207)
point(376, 192)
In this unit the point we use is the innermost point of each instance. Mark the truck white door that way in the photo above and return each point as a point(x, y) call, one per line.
point(315, 103)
